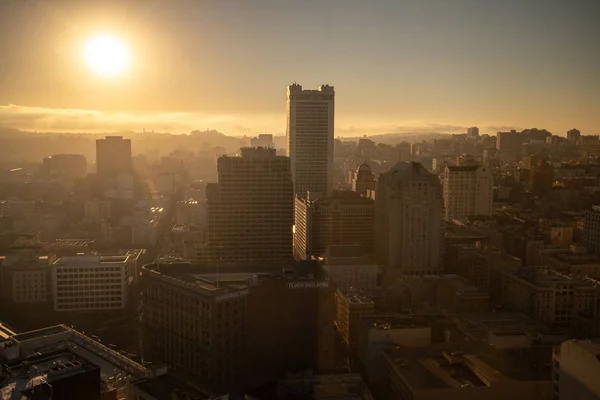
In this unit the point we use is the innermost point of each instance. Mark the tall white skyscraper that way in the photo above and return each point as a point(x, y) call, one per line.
point(468, 191)
point(310, 116)
point(408, 220)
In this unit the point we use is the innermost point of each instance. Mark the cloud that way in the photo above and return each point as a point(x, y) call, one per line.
point(93, 121)
point(78, 120)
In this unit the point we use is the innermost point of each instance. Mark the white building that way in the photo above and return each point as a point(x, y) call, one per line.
point(92, 283)
point(310, 125)
point(468, 191)
point(576, 369)
point(408, 220)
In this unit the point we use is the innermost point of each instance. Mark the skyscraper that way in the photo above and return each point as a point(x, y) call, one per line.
point(310, 117)
point(251, 210)
point(473, 132)
point(468, 191)
point(113, 155)
point(408, 220)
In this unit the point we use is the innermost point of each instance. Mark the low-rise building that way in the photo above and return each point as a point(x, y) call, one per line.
point(25, 278)
point(378, 332)
point(547, 296)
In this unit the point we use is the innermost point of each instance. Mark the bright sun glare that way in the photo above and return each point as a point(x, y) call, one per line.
point(106, 55)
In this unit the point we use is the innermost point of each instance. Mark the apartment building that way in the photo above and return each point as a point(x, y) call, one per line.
point(468, 191)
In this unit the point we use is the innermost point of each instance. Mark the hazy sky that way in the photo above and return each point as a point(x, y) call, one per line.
point(397, 65)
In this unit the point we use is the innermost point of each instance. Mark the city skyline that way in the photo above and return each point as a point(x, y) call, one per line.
point(397, 66)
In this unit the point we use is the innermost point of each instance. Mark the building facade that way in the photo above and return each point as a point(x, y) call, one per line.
point(310, 133)
point(591, 229)
point(344, 218)
point(408, 220)
point(363, 180)
point(113, 155)
point(91, 283)
point(468, 191)
point(251, 210)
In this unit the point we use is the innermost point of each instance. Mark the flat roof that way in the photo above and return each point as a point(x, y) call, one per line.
point(398, 321)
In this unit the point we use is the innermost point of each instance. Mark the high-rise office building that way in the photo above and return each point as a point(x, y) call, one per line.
point(468, 191)
point(251, 210)
point(113, 155)
point(345, 217)
point(310, 117)
point(408, 220)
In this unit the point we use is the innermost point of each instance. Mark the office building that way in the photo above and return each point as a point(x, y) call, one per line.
point(310, 133)
point(64, 166)
point(113, 156)
point(509, 146)
point(576, 370)
point(231, 325)
point(363, 180)
point(191, 212)
point(591, 229)
point(92, 283)
point(343, 218)
point(473, 132)
point(59, 363)
point(251, 210)
point(468, 191)
point(262, 140)
point(408, 220)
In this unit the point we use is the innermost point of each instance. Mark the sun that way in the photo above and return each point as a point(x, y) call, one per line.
point(106, 55)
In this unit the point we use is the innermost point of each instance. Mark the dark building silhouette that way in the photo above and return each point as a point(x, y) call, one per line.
point(61, 166)
point(237, 326)
point(345, 217)
point(113, 155)
point(363, 179)
point(541, 177)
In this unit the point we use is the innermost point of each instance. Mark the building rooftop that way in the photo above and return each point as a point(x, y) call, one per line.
point(395, 321)
point(357, 297)
point(218, 280)
point(327, 387)
point(58, 243)
point(449, 365)
point(87, 260)
point(543, 277)
point(28, 376)
point(167, 387)
point(36, 357)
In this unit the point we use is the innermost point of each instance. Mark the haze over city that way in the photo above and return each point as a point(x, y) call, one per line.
point(398, 66)
point(309, 200)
